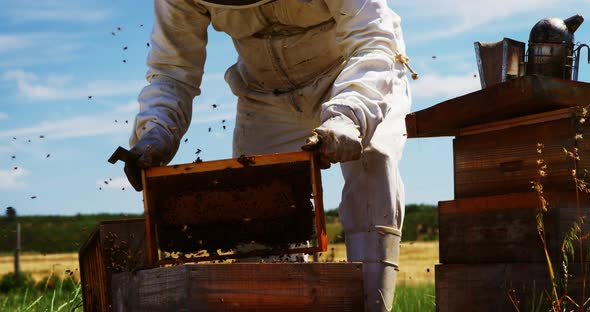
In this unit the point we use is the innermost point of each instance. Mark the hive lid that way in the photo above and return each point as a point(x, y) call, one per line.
point(519, 97)
point(242, 207)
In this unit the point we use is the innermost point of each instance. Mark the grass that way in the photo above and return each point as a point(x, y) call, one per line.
point(53, 295)
point(411, 298)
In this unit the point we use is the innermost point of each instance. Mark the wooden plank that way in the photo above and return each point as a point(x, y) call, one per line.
point(114, 246)
point(519, 121)
point(503, 228)
point(523, 96)
point(242, 287)
point(505, 161)
point(318, 200)
point(486, 287)
point(232, 163)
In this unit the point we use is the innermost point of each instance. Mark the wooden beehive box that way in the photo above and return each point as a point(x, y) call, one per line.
point(489, 242)
point(113, 247)
point(248, 206)
point(489, 287)
point(501, 157)
point(503, 228)
point(242, 287)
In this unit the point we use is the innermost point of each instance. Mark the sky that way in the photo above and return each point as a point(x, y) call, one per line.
point(71, 70)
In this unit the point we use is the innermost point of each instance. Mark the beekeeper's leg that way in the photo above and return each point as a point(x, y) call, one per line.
point(263, 128)
point(372, 211)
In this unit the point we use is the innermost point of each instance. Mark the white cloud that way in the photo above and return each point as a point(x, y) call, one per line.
point(3, 116)
point(14, 42)
point(131, 107)
point(55, 87)
point(459, 16)
point(75, 127)
point(54, 11)
point(11, 179)
point(435, 85)
point(114, 183)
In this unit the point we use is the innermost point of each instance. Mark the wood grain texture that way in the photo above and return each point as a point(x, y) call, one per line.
point(505, 161)
point(503, 228)
point(523, 96)
point(486, 287)
point(232, 163)
point(242, 287)
point(114, 246)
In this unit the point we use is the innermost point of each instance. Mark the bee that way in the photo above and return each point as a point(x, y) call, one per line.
point(48, 155)
point(198, 151)
point(209, 129)
point(125, 48)
point(214, 106)
point(33, 197)
point(124, 61)
point(185, 140)
point(90, 97)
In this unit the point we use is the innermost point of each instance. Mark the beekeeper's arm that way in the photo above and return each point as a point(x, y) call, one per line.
point(369, 35)
point(175, 62)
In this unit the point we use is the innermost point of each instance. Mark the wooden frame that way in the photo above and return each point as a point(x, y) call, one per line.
point(232, 167)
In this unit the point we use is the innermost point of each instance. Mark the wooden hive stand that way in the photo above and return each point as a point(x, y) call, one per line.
point(490, 248)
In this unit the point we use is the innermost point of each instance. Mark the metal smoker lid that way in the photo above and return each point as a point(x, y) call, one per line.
point(555, 30)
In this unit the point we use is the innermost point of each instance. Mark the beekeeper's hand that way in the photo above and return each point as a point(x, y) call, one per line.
point(154, 148)
point(338, 139)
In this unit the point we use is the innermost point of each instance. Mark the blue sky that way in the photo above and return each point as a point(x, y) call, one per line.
point(55, 54)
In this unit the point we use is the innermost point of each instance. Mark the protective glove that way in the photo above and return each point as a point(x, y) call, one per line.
point(154, 148)
point(338, 139)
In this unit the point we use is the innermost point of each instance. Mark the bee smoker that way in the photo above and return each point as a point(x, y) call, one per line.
point(551, 49)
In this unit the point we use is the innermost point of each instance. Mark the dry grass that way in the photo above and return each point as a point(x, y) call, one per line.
point(417, 262)
point(39, 265)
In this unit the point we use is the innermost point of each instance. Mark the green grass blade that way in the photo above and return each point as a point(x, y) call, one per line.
point(33, 304)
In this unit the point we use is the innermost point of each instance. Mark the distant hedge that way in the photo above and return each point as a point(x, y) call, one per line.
point(52, 234)
point(420, 223)
point(58, 234)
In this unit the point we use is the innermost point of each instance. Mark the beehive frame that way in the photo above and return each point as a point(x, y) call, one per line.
point(175, 208)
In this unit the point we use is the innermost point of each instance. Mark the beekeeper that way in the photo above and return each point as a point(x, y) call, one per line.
point(325, 74)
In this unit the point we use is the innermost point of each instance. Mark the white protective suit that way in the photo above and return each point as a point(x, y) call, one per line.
point(302, 64)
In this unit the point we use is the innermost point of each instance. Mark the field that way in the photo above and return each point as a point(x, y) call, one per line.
point(417, 262)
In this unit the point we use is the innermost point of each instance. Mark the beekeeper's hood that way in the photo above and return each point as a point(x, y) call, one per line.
point(235, 4)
